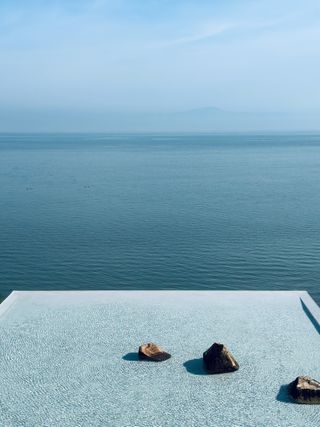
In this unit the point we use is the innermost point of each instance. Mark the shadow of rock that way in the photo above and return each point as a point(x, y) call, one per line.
point(131, 357)
point(195, 366)
point(283, 395)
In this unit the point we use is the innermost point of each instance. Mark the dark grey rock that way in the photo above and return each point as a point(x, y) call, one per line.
point(305, 390)
point(153, 352)
point(218, 359)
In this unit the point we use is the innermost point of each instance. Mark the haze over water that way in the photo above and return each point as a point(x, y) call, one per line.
point(160, 212)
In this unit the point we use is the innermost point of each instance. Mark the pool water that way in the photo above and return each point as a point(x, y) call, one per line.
point(69, 358)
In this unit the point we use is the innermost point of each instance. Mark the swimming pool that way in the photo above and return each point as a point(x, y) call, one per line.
point(69, 358)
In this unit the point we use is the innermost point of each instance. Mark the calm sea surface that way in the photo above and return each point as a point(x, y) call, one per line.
point(160, 212)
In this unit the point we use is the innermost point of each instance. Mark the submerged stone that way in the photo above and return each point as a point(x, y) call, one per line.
point(218, 359)
point(305, 390)
point(153, 352)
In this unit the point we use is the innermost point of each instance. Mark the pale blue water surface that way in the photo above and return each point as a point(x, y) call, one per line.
point(69, 359)
point(160, 212)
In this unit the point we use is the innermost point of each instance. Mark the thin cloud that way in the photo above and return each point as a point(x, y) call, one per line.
point(198, 36)
point(209, 32)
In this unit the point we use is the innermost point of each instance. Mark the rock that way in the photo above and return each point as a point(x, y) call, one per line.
point(153, 352)
point(218, 359)
point(305, 390)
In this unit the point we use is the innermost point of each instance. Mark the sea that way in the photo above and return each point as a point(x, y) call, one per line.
point(160, 211)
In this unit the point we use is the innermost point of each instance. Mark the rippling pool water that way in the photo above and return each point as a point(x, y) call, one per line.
point(70, 359)
point(160, 212)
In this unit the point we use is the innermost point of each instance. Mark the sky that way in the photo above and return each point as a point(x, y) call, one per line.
point(61, 57)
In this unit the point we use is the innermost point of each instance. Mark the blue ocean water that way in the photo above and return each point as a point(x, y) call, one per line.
point(160, 212)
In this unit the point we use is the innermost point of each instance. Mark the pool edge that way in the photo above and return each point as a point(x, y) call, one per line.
point(309, 305)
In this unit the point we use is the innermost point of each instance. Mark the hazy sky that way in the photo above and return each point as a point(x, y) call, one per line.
point(174, 55)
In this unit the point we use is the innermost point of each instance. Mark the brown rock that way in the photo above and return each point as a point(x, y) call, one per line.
point(305, 390)
point(153, 352)
point(218, 359)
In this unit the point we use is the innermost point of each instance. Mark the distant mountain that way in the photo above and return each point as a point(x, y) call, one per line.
point(209, 119)
point(215, 119)
point(205, 111)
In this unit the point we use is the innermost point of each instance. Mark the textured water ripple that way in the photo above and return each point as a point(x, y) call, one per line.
point(151, 212)
point(61, 361)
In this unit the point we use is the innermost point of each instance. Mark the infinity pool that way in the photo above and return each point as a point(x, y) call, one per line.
point(69, 358)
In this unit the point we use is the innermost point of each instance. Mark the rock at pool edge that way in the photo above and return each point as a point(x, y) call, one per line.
point(218, 360)
point(305, 390)
point(153, 353)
